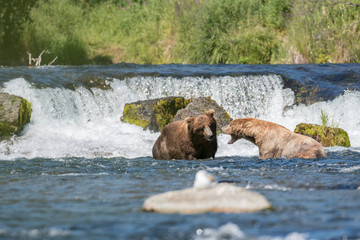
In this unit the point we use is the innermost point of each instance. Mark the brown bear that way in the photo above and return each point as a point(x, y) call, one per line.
point(192, 138)
point(273, 140)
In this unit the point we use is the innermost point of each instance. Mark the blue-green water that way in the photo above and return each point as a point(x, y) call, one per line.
point(77, 172)
point(79, 198)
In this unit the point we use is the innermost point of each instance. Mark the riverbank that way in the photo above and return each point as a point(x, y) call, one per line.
point(189, 31)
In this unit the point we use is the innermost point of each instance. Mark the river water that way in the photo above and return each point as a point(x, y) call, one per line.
point(78, 172)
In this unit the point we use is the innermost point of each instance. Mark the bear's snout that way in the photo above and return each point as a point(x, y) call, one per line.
point(210, 136)
point(226, 129)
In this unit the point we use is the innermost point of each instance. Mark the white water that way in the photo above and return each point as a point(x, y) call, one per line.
point(83, 123)
point(233, 232)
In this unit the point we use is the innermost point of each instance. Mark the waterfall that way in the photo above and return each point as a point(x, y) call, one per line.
point(85, 122)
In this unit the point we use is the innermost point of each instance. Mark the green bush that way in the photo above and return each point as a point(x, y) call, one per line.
point(225, 32)
point(56, 27)
point(326, 31)
point(13, 15)
point(277, 13)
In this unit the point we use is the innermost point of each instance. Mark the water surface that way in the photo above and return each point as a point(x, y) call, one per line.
point(78, 172)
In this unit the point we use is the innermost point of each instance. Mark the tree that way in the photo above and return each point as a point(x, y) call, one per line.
point(13, 15)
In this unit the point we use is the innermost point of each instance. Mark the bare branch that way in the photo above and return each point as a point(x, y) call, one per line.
point(52, 61)
point(29, 58)
point(37, 61)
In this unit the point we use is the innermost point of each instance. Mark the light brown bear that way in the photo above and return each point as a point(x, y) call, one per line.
point(273, 140)
point(192, 138)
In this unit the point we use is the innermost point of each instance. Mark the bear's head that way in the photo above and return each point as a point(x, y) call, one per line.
point(202, 128)
point(239, 128)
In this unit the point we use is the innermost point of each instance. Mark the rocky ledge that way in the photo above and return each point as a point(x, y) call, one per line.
point(15, 113)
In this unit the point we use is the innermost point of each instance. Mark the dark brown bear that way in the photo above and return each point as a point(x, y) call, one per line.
point(273, 140)
point(192, 138)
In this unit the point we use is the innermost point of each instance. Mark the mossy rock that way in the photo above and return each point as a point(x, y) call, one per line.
point(15, 113)
point(328, 136)
point(153, 114)
point(198, 106)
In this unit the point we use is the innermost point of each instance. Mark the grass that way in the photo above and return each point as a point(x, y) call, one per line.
point(186, 31)
point(326, 31)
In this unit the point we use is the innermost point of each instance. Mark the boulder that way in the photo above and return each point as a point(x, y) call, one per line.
point(153, 114)
point(328, 136)
point(198, 106)
point(223, 197)
point(15, 113)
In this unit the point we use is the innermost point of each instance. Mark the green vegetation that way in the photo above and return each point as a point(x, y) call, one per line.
point(25, 111)
point(324, 117)
point(180, 31)
point(153, 114)
point(6, 130)
point(326, 31)
point(165, 110)
point(132, 115)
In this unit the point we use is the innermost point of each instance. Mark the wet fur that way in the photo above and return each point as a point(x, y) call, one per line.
point(274, 140)
point(192, 138)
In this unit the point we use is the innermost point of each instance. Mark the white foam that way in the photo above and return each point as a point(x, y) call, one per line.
point(77, 123)
point(55, 232)
point(227, 231)
point(241, 147)
point(233, 232)
point(36, 233)
point(350, 169)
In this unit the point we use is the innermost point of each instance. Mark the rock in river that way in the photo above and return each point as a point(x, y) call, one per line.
point(328, 136)
point(198, 106)
point(221, 197)
point(153, 114)
point(15, 113)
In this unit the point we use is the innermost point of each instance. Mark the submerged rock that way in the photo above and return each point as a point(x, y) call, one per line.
point(328, 136)
point(223, 197)
point(304, 93)
point(198, 106)
point(153, 114)
point(15, 113)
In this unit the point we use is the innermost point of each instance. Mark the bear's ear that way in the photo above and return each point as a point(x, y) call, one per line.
point(189, 120)
point(210, 112)
point(247, 125)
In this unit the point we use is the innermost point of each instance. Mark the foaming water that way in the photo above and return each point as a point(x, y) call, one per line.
point(232, 232)
point(85, 122)
point(80, 123)
point(240, 96)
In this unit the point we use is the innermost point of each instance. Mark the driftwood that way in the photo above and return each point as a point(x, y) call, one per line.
point(37, 60)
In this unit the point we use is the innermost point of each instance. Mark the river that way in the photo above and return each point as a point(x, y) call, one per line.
point(78, 172)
